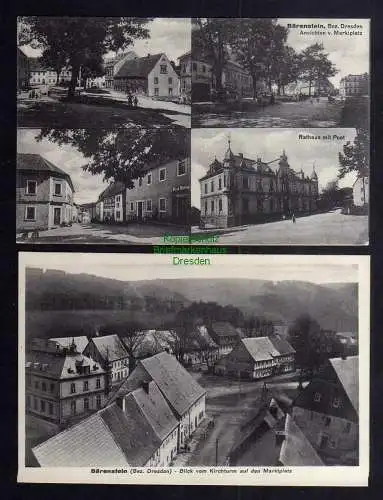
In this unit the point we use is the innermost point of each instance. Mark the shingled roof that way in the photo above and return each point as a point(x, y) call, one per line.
point(111, 437)
point(36, 163)
point(139, 67)
point(281, 345)
point(111, 347)
point(113, 189)
point(81, 342)
point(221, 329)
point(176, 384)
point(260, 348)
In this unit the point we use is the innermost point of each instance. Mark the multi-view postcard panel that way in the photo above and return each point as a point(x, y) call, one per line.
point(257, 363)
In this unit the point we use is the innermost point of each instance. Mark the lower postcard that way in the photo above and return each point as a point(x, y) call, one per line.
point(246, 370)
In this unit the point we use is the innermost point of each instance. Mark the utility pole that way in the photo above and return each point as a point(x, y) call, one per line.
point(216, 451)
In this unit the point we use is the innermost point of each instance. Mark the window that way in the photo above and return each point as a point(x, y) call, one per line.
point(162, 174)
point(149, 179)
point(170, 81)
point(72, 388)
point(212, 206)
point(245, 182)
point(337, 403)
point(203, 68)
point(156, 91)
point(220, 205)
point(44, 386)
point(35, 403)
point(140, 182)
point(220, 183)
point(98, 383)
point(245, 205)
point(42, 406)
point(28, 401)
point(148, 205)
point(162, 204)
point(327, 422)
point(73, 407)
point(36, 384)
point(156, 80)
point(181, 168)
point(57, 189)
point(170, 91)
point(98, 401)
point(206, 188)
point(86, 404)
point(347, 428)
point(28, 380)
point(31, 187)
point(132, 206)
point(205, 207)
point(163, 69)
point(224, 181)
point(194, 65)
point(30, 213)
point(50, 406)
point(211, 186)
point(86, 385)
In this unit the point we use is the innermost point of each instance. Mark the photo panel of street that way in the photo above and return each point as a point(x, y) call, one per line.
point(107, 71)
point(129, 361)
point(280, 72)
point(280, 187)
point(122, 186)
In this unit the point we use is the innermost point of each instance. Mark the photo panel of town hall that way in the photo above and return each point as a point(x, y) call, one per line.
point(280, 72)
point(127, 360)
point(268, 186)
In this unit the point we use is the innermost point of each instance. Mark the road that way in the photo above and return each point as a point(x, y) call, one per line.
point(331, 228)
point(147, 234)
point(282, 114)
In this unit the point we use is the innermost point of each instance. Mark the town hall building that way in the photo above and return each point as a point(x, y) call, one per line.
point(241, 190)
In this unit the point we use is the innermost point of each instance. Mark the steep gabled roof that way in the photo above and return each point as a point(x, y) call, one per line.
point(176, 384)
point(139, 67)
point(347, 371)
point(113, 189)
point(224, 329)
point(281, 345)
point(111, 347)
point(111, 437)
point(81, 342)
point(36, 163)
point(260, 348)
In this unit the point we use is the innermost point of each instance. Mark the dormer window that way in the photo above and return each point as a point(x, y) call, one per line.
point(337, 403)
point(163, 69)
point(317, 397)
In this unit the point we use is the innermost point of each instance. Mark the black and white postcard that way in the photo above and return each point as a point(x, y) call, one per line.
point(221, 369)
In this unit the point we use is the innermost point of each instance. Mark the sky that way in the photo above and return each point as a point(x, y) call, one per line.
point(132, 267)
point(350, 54)
point(87, 186)
point(269, 144)
point(169, 35)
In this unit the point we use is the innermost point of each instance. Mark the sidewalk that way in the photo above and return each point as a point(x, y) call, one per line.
point(183, 458)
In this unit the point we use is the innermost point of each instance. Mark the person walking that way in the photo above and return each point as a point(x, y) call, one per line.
point(135, 101)
point(293, 218)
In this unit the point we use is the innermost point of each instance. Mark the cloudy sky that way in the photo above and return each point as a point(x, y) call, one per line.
point(87, 186)
point(269, 144)
point(350, 54)
point(169, 35)
point(312, 268)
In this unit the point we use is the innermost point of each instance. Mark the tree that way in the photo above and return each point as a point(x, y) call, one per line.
point(315, 65)
point(355, 156)
point(121, 155)
point(303, 334)
point(209, 40)
point(286, 68)
point(79, 39)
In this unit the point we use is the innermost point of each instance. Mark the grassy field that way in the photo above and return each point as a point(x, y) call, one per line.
point(84, 322)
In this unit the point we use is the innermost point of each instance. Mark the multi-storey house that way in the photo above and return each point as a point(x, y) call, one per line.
point(44, 194)
point(239, 190)
point(41, 75)
point(112, 66)
point(354, 85)
point(185, 63)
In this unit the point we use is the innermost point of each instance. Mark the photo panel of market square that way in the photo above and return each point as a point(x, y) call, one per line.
point(119, 186)
point(260, 72)
point(280, 186)
point(119, 72)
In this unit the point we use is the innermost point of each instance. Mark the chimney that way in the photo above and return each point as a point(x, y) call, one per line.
point(121, 402)
point(145, 386)
point(148, 55)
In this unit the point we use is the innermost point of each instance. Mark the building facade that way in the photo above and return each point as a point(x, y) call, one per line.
point(110, 204)
point(62, 385)
point(44, 194)
point(202, 80)
point(240, 190)
point(162, 193)
point(236, 81)
point(152, 75)
point(354, 85)
point(185, 63)
point(40, 75)
point(112, 66)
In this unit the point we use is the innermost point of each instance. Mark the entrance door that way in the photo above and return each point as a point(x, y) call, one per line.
point(56, 216)
point(140, 208)
point(181, 209)
point(323, 441)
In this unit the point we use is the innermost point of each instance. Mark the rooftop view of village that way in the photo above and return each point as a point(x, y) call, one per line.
point(190, 372)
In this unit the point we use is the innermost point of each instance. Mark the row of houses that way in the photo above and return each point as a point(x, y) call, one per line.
point(44, 196)
point(153, 75)
point(146, 422)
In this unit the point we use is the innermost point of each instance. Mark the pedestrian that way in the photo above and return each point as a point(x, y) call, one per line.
point(318, 99)
point(135, 101)
point(130, 101)
point(293, 218)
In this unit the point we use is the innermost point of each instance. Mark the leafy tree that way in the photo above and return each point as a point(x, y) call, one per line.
point(122, 154)
point(315, 65)
point(355, 156)
point(287, 68)
point(80, 39)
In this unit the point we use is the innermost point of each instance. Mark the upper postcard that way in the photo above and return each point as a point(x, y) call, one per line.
point(280, 72)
